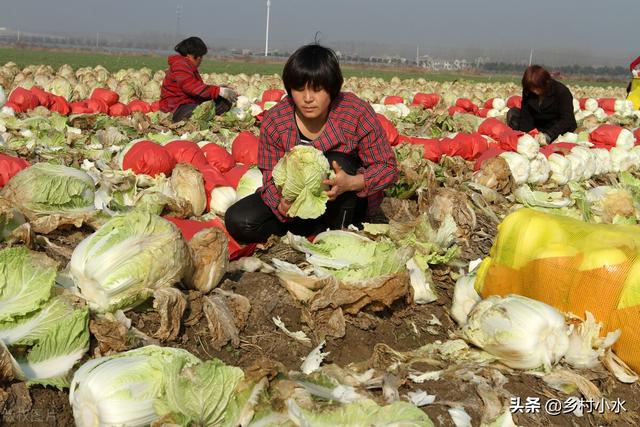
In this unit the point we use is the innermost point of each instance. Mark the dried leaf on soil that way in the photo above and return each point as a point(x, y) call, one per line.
point(226, 315)
point(170, 303)
point(324, 323)
point(210, 259)
point(112, 336)
point(373, 294)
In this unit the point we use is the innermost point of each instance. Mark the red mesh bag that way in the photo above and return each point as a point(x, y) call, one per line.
point(245, 148)
point(9, 166)
point(108, 96)
point(389, 129)
point(218, 157)
point(184, 151)
point(149, 158)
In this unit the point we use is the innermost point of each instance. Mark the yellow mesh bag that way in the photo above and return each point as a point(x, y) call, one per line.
point(573, 266)
point(634, 95)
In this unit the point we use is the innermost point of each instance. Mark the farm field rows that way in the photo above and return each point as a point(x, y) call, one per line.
point(117, 275)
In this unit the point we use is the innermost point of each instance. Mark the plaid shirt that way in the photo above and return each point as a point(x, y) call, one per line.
point(183, 85)
point(352, 128)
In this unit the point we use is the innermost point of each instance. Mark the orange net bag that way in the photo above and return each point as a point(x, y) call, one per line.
point(573, 266)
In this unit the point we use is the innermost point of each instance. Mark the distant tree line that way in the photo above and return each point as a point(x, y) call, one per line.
point(572, 70)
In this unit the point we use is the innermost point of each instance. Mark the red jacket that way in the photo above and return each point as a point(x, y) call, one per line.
point(183, 85)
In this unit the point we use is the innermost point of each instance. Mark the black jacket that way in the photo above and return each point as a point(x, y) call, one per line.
point(554, 116)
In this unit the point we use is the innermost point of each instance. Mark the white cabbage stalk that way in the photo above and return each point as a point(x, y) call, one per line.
point(621, 105)
point(576, 105)
point(560, 168)
point(7, 111)
point(494, 113)
point(3, 97)
point(397, 110)
point(582, 114)
point(314, 359)
point(243, 102)
point(465, 297)
point(518, 165)
point(523, 333)
point(577, 166)
point(422, 290)
point(221, 199)
point(249, 183)
point(586, 347)
point(600, 114)
point(460, 417)
point(591, 105)
point(568, 137)
point(588, 159)
point(621, 160)
point(527, 197)
point(635, 155)
point(603, 160)
point(421, 398)
point(528, 146)
point(255, 109)
point(626, 140)
point(378, 108)
point(238, 113)
point(539, 170)
point(498, 104)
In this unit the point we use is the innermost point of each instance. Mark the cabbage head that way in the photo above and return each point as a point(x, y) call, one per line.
point(46, 189)
point(122, 389)
point(300, 174)
point(139, 387)
point(249, 183)
point(361, 413)
point(124, 261)
point(43, 336)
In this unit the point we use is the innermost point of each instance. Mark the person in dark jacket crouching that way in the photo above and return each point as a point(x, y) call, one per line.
point(547, 105)
point(183, 89)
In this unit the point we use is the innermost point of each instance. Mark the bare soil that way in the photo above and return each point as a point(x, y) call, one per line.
point(402, 327)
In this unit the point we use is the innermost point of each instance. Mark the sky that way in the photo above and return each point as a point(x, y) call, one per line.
point(588, 29)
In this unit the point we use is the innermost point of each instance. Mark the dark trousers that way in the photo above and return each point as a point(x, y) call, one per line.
point(513, 118)
point(185, 111)
point(250, 220)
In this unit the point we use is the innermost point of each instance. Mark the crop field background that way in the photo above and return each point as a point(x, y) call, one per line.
point(114, 62)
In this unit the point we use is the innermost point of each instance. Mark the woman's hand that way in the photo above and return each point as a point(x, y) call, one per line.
point(343, 182)
point(228, 94)
point(284, 206)
point(542, 139)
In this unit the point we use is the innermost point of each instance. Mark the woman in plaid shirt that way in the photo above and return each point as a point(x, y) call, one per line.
point(341, 125)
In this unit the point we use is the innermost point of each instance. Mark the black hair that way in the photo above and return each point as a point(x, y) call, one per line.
point(313, 65)
point(191, 46)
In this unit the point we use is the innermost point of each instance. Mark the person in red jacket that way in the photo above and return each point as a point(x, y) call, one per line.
point(344, 127)
point(183, 89)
